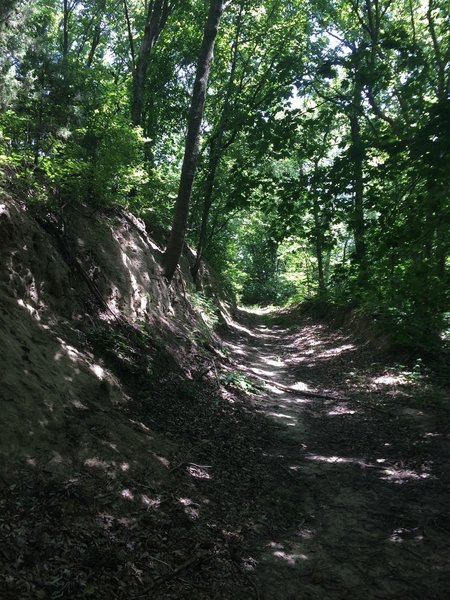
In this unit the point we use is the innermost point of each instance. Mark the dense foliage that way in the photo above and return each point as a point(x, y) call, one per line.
point(323, 168)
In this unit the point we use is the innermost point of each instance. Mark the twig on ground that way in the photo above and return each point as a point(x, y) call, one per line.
point(173, 573)
point(189, 464)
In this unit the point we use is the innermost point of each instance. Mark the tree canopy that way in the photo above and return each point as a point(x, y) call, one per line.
point(322, 158)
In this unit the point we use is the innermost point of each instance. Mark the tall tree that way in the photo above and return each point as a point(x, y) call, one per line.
point(181, 212)
point(216, 146)
point(157, 15)
point(263, 64)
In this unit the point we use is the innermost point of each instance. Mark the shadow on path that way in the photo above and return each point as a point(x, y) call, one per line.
point(370, 467)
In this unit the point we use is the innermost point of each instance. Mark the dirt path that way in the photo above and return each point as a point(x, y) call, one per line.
point(369, 466)
point(207, 485)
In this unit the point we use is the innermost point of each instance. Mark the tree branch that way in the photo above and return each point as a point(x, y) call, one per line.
point(130, 34)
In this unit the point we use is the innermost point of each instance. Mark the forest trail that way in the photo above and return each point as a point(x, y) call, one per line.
point(368, 463)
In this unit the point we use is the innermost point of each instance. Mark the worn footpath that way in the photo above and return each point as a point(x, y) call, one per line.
point(367, 451)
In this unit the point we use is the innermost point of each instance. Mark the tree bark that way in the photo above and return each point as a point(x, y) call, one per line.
point(97, 34)
point(357, 153)
point(65, 49)
point(215, 153)
point(158, 13)
point(130, 34)
point(318, 236)
point(181, 212)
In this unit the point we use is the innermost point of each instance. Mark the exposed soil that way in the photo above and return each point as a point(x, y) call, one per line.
point(234, 489)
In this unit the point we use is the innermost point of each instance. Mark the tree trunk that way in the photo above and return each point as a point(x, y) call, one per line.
point(179, 223)
point(215, 153)
point(318, 237)
point(207, 203)
point(357, 153)
point(65, 49)
point(158, 13)
point(96, 38)
point(130, 35)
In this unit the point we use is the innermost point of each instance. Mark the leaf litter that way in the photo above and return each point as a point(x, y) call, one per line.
point(253, 494)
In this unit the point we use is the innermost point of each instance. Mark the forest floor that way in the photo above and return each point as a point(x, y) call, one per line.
point(299, 463)
point(366, 444)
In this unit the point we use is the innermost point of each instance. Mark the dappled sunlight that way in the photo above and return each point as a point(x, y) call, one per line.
point(163, 460)
point(262, 372)
point(108, 495)
point(236, 349)
point(261, 332)
point(273, 389)
point(198, 471)
point(402, 534)
point(150, 503)
point(127, 494)
point(31, 309)
point(280, 415)
point(76, 403)
point(191, 508)
point(74, 354)
point(295, 468)
point(341, 409)
point(391, 473)
point(96, 462)
point(98, 371)
point(300, 386)
point(339, 460)
point(279, 551)
point(399, 475)
point(336, 351)
point(256, 310)
point(390, 379)
point(108, 521)
point(297, 400)
point(111, 445)
point(238, 327)
point(291, 559)
point(249, 563)
point(140, 425)
point(306, 533)
point(273, 362)
point(57, 458)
